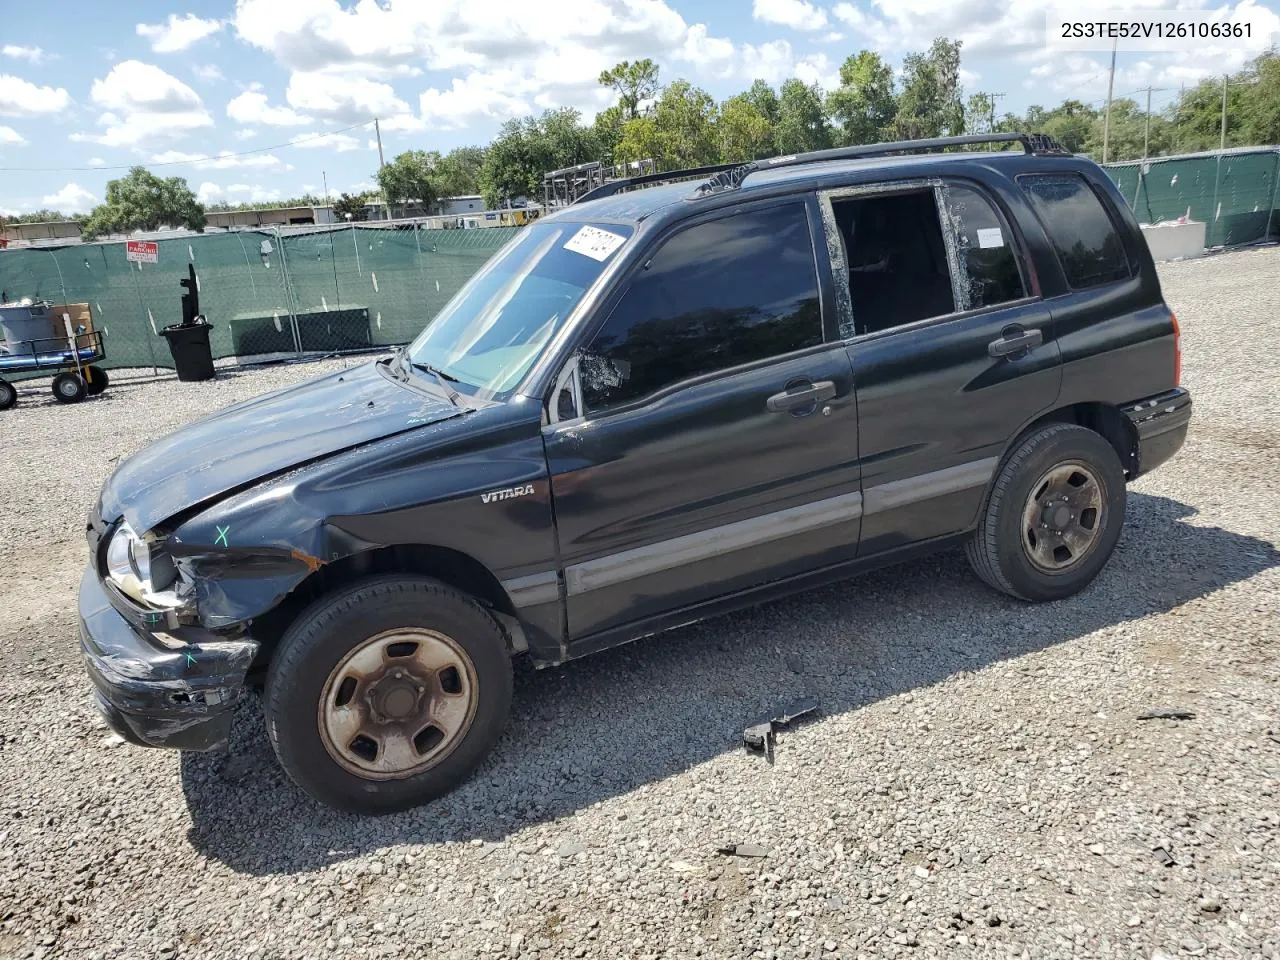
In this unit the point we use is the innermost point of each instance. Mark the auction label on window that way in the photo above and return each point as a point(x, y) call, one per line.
point(594, 243)
point(990, 237)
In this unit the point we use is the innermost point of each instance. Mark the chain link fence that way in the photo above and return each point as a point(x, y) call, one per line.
point(1236, 192)
point(270, 294)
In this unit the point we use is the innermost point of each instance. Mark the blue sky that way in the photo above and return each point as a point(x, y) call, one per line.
point(254, 99)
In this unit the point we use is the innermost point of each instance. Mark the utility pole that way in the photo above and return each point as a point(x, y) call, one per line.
point(1111, 86)
point(993, 98)
point(1146, 129)
point(1222, 139)
point(377, 132)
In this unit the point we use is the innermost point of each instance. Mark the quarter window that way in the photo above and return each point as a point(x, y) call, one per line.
point(1084, 236)
point(714, 296)
point(985, 247)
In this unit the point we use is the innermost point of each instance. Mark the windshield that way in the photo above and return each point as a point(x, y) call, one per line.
point(486, 337)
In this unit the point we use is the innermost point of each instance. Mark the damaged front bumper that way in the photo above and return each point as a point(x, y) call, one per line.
point(159, 688)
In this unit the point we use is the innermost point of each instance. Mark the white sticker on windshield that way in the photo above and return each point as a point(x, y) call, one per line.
point(594, 243)
point(990, 237)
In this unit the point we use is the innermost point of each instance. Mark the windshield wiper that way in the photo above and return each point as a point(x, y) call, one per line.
point(444, 378)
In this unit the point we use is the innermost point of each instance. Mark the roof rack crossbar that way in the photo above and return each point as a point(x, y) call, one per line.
point(731, 179)
point(612, 187)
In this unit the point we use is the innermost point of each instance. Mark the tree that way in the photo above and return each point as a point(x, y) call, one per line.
point(931, 102)
point(864, 104)
point(802, 123)
point(351, 207)
point(640, 139)
point(527, 148)
point(39, 216)
point(634, 83)
point(457, 174)
point(762, 97)
point(1262, 101)
point(745, 133)
point(143, 201)
point(1127, 132)
point(686, 119)
point(408, 178)
point(607, 131)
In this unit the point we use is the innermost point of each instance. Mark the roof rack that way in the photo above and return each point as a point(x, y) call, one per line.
point(611, 187)
point(731, 179)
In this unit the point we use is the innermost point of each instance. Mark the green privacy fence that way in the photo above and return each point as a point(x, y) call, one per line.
point(268, 293)
point(1234, 192)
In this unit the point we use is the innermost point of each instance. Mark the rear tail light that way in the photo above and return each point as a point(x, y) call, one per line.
point(1177, 350)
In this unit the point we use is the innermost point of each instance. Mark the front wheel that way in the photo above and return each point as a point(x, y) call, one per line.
point(1053, 516)
point(388, 694)
point(69, 388)
point(8, 395)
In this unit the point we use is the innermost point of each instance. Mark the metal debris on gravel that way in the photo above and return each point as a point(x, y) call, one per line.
point(973, 755)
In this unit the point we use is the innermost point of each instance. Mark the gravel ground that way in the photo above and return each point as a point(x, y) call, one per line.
point(978, 784)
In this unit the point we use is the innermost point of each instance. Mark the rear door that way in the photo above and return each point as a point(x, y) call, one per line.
point(951, 346)
point(705, 437)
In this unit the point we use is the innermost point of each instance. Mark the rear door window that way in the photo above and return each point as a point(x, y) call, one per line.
point(1081, 231)
point(716, 295)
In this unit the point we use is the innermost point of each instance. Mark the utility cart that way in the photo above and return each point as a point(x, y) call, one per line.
point(44, 338)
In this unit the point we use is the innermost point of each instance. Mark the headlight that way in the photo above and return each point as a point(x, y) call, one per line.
point(135, 570)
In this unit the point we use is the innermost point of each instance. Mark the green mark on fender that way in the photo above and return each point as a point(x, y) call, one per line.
point(191, 661)
point(222, 536)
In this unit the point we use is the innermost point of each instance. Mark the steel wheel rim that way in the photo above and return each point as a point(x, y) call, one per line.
point(68, 388)
point(397, 704)
point(1063, 517)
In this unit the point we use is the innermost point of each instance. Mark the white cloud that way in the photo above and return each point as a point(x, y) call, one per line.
point(178, 33)
point(144, 104)
point(18, 98)
point(835, 36)
point(11, 137)
point(817, 68)
point(72, 198)
point(210, 192)
point(337, 142)
point(252, 107)
point(207, 72)
point(772, 62)
point(96, 162)
point(224, 160)
point(477, 95)
point(797, 14)
point(33, 54)
point(245, 134)
point(343, 98)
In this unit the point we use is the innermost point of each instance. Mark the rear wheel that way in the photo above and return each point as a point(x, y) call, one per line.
point(1053, 517)
point(98, 380)
point(388, 693)
point(69, 388)
point(8, 395)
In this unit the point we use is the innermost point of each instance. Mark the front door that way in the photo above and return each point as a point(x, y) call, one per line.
point(951, 345)
point(710, 442)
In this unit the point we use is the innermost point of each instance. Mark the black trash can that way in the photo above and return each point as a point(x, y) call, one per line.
point(189, 344)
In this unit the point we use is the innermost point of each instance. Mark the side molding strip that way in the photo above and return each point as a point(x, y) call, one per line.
point(939, 483)
point(666, 554)
point(535, 589)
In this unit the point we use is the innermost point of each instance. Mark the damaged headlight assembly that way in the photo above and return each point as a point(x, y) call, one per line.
point(141, 568)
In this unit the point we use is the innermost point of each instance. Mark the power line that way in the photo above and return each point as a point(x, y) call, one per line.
point(196, 160)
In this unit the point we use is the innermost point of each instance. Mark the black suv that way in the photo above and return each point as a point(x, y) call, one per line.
point(651, 407)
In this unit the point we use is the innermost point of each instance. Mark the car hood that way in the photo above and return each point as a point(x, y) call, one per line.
point(263, 437)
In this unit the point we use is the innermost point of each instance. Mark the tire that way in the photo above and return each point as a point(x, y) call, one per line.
point(98, 380)
point(8, 395)
point(1017, 546)
point(333, 643)
point(69, 388)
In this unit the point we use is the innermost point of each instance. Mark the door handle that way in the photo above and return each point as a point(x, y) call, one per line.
point(801, 395)
point(1015, 340)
